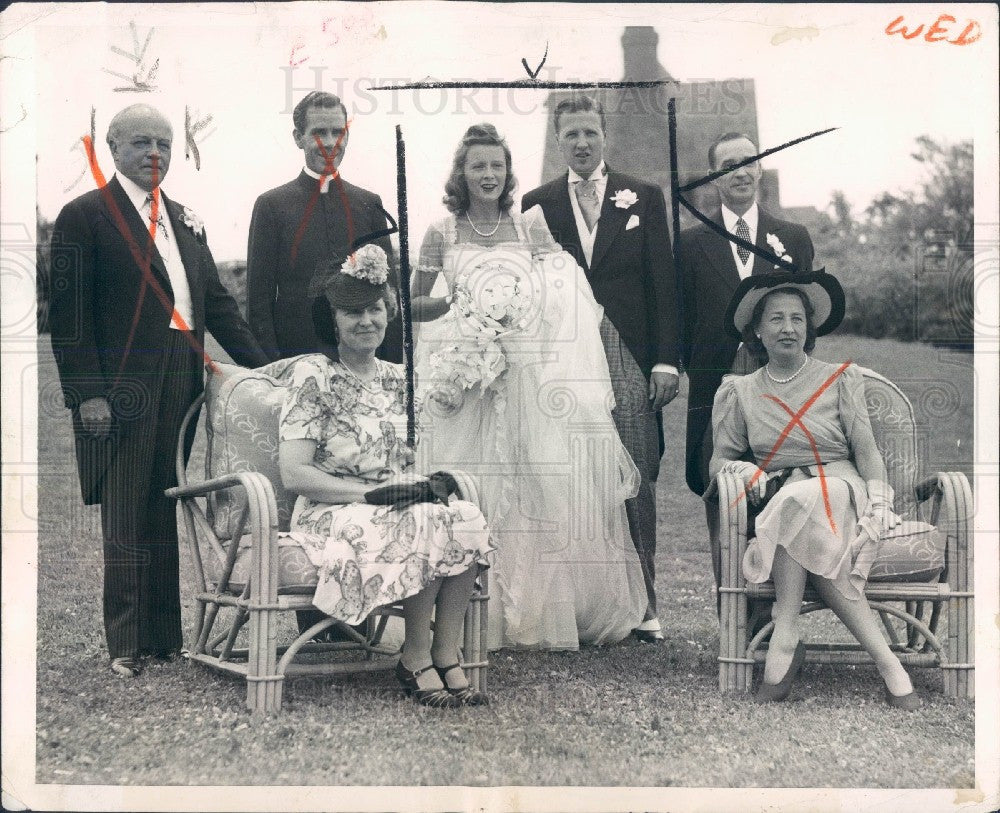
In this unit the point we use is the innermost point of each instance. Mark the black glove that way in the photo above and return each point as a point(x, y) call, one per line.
point(436, 488)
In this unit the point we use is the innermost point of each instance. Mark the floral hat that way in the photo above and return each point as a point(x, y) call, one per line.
point(822, 289)
point(356, 282)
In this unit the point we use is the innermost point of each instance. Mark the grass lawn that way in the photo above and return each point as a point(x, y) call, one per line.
point(624, 715)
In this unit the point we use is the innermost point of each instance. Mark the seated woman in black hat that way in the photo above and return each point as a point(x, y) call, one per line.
point(342, 435)
point(833, 502)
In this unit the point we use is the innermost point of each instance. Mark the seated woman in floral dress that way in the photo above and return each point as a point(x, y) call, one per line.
point(342, 434)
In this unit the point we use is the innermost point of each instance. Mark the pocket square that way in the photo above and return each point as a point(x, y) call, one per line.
point(632, 222)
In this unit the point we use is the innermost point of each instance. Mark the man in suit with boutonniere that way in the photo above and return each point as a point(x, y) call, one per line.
point(133, 289)
point(711, 267)
point(616, 228)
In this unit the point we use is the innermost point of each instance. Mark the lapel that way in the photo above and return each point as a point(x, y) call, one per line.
point(612, 218)
point(132, 229)
point(766, 224)
point(187, 246)
point(719, 253)
point(563, 221)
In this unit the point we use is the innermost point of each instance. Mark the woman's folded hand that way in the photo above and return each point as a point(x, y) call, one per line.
point(880, 499)
point(754, 479)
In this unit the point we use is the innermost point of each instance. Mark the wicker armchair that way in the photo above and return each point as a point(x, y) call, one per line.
point(918, 567)
point(248, 570)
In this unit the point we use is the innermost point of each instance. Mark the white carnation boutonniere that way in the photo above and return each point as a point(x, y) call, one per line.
point(624, 198)
point(369, 263)
point(192, 221)
point(778, 247)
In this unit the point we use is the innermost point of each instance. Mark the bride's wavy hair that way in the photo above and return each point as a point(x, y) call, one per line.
point(456, 191)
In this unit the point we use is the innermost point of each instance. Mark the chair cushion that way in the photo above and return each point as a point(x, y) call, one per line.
point(912, 552)
point(243, 408)
point(296, 574)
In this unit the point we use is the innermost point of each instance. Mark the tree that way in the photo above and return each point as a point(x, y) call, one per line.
point(906, 262)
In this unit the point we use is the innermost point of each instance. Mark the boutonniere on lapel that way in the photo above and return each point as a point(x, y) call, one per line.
point(192, 221)
point(778, 247)
point(624, 198)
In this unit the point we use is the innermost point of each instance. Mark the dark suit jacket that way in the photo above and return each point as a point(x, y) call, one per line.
point(109, 326)
point(710, 278)
point(288, 240)
point(632, 273)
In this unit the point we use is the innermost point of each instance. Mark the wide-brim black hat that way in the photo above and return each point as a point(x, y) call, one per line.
point(822, 289)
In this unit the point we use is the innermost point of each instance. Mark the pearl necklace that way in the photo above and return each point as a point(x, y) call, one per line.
point(767, 371)
point(484, 233)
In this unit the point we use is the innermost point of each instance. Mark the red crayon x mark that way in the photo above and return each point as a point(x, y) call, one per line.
point(329, 171)
point(797, 421)
point(143, 260)
point(816, 457)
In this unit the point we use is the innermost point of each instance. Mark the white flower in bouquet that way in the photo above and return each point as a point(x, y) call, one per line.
point(503, 298)
point(493, 297)
point(466, 366)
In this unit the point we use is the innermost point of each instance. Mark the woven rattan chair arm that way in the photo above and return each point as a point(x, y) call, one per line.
point(180, 464)
point(730, 486)
point(223, 481)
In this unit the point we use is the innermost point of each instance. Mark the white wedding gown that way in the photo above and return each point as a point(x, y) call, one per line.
point(552, 472)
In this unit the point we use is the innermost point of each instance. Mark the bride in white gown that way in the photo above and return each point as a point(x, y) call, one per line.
point(515, 383)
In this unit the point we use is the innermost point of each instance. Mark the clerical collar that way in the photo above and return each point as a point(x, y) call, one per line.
point(317, 176)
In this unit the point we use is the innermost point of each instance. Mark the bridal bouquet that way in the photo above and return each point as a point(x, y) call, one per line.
point(490, 300)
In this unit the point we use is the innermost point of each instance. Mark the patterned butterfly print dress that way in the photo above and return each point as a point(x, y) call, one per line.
point(369, 555)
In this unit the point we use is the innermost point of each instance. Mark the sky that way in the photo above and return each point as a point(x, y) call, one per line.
point(246, 65)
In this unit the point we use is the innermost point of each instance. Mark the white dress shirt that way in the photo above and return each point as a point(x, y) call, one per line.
point(165, 244)
point(326, 180)
point(745, 269)
point(600, 178)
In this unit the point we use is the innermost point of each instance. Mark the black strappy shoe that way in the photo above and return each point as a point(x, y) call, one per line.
point(467, 696)
point(435, 698)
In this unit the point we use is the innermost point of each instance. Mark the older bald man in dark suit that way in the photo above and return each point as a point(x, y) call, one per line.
point(133, 289)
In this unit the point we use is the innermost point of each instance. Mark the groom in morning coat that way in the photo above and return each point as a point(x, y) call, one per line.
point(616, 228)
point(711, 267)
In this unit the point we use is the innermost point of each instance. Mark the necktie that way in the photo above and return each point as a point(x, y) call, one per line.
point(743, 232)
point(160, 238)
point(590, 206)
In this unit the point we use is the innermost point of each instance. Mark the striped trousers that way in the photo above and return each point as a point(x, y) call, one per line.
point(636, 424)
point(142, 610)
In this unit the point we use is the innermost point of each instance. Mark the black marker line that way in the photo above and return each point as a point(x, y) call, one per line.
point(528, 84)
point(675, 210)
point(719, 173)
point(404, 286)
point(732, 238)
point(534, 73)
